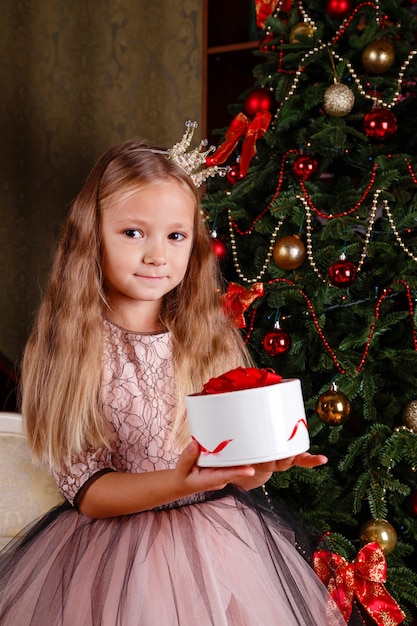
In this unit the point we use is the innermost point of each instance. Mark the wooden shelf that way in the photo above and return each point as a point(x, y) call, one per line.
point(233, 47)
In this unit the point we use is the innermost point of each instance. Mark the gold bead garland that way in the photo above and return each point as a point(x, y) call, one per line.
point(397, 234)
point(268, 256)
point(309, 246)
point(374, 99)
point(322, 46)
point(366, 241)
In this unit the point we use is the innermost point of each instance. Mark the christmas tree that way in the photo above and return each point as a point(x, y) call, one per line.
point(316, 227)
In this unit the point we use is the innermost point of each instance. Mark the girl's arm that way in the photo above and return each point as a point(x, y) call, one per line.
point(119, 493)
point(123, 493)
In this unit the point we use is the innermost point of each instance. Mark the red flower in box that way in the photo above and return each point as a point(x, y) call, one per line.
point(241, 378)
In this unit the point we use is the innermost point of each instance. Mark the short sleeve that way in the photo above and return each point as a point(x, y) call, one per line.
point(72, 478)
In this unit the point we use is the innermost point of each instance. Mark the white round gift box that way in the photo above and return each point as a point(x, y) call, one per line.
point(250, 425)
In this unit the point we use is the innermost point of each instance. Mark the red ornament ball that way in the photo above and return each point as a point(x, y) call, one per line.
point(338, 9)
point(305, 166)
point(413, 502)
point(342, 273)
point(218, 247)
point(257, 101)
point(234, 174)
point(379, 124)
point(277, 342)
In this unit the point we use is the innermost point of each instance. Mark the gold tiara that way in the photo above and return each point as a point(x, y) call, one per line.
point(192, 161)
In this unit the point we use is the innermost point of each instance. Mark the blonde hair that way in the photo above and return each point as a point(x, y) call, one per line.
point(62, 364)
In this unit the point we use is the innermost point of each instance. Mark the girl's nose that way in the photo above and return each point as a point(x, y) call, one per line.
point(154, 255)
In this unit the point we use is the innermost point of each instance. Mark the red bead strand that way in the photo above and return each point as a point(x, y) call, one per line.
point(372, 328)
point(342, 213)
point(410, 170)
point(348, 20)
point(274, 197)
point(315, 320)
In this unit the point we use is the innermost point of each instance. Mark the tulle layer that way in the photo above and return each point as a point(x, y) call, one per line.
point(219, 562)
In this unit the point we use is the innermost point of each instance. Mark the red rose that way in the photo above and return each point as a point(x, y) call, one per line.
point(241, 378)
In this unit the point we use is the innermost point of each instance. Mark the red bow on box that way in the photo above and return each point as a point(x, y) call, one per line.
point(241, 125)
point(362, 579)
point(237, 300)
point(241, 378)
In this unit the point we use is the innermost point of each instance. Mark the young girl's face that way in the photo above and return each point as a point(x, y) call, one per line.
point(147, 237)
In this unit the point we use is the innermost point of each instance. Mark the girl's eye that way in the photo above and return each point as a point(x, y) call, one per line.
point(133, 233)
point(176, 236)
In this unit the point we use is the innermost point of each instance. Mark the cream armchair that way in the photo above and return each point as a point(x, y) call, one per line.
point(26, 491)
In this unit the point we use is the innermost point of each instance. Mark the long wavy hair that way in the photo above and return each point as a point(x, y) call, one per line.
point(62, 363)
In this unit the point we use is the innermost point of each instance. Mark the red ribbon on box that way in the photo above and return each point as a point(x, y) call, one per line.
point(241, 378)
point(362, 579)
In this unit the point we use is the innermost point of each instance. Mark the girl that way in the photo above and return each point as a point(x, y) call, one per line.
point(130, 323)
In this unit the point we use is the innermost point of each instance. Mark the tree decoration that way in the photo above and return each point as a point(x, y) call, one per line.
point(333, 407)
point(338, 100)
point(378, 56)
point(237, 300)
point(302, 29)
point(380, 531)
point(410, 416)
point(242, 127)
point(362, 580)
point(338, 9)
point(265, 8)
point(342, 273)
point(305, 166)
point(219, 247)
point(379, 124)
point(289, 252)
point(234, 174)
point(258, 101)
point(413, 502)
point(277, 342)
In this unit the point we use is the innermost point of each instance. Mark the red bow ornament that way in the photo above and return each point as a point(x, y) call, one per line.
point(242, 126)
point(362, 579)
point(265, 8)
point(237, 300)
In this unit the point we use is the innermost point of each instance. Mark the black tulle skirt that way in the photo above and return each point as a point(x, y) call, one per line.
point(227, 560)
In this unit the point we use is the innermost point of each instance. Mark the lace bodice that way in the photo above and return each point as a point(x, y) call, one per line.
point(139, 401)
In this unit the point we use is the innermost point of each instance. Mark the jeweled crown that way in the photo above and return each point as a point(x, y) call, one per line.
point(192, 161)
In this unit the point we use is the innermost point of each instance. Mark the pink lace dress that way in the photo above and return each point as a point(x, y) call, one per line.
point(214, 559)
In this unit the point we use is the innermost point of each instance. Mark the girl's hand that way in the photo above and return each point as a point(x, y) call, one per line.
point(196, 479)
point(305, 459)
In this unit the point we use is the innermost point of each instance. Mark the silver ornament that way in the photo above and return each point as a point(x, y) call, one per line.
point(338, 100)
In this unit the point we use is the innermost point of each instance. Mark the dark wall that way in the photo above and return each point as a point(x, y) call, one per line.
point(77, 76)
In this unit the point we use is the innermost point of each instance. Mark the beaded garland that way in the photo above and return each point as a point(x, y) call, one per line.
point(386, 293)
point(310, 207)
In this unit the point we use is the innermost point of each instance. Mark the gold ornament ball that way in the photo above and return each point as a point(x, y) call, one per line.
point(333, 408)
point(410, 416)
point(378, 56)
point(382, 532)
point(289, 252)
point(305, 29)
point(338, 100)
